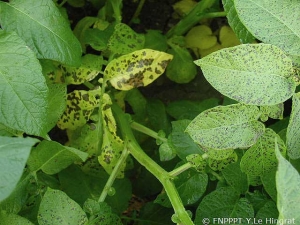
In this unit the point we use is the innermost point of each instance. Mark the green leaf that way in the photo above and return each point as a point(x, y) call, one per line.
point(288, 189)
point(186, 109)
point(267, 212)
point(270, 21)
point(125, 40)
point(16, 200)
point(260, 158)
point(50, 37)
point(57, 208)
point(6, 131)
point(157, 115)
point(102, 213)
point(181, 141)
point(80, 106)
point(235, 177)
point(191, 186)
point(85, 138)
point(24, 92)
point(235, 23)
point(81, 28)
point(293, 129)
point(181, 69)
point(52, 157)
point(223, 203)
point(14, 153)
point(245, 72)
point(155, 40)
point(268, 180)
point(73, 179)
point(226, 127)
point(153, 213)
point(136, 69)
point(9, 218)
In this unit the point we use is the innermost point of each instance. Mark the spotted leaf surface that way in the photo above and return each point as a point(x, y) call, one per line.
point(260, 158)
point(58, 208)
point(80, 105)
point(272, 22)
point(137, 69)
point(293, 130)
point(226, 127)
point(89, 69)
point(112, 145)
point(125, 40)
point(256, 74)
point(272, 111)
point(235, 23)
point(219, 165)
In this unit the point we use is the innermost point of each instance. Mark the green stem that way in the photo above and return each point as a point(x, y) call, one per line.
point(191, 19)
point(162, 175)
point(214, 15)
point(180, 169)
point(137, 11)
point(114, 174)
point(146, 130)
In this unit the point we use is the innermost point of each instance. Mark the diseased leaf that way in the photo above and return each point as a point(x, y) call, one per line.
point(274, 22)
point(226, 127)
point(112, 145)
point(293, 129)
point(13, 156)
point(272, 111)
point(260, 158)
point(43, 28)
point(288, 189)
point(57, 208)
point(52, 157)
point(223, 203)
point(125, 40)
point(221, 164)
point(80, 105)
point(245, 72)
point(23, 89)
point(235, 23)
point(136, 69)
point(90, 67)
point(197, 162)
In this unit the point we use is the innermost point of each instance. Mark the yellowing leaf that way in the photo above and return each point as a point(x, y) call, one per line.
point(200, 37)
point(227, 37)
point(183, 7)
point(80, 105)
point(112, 145)
point(136, 69)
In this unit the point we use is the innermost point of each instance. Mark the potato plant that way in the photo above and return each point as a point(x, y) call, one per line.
point(81, 141)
